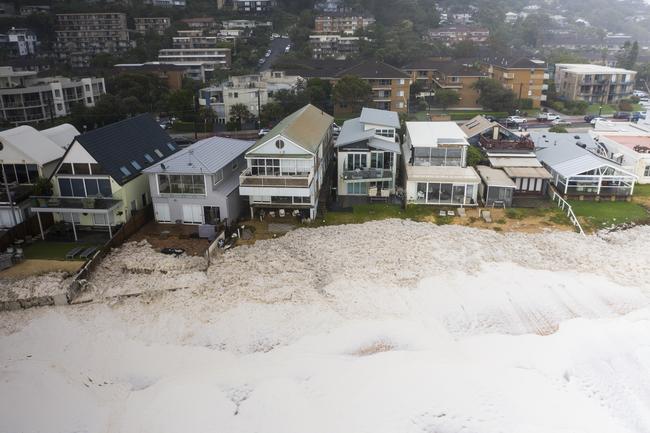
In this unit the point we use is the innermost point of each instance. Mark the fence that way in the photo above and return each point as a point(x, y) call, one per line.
point(136, 221)
point(29, 227)
point(566, 207)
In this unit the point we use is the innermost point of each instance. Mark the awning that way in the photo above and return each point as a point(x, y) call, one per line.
point(503, 162)
point(530, 172)
point(415, 173)
point(494, 177)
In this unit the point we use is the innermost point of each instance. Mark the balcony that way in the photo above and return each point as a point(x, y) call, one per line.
point(86, 204)
point(368, 174)
point(544, 86)
point(248, 179)
point(508, 76)
point(520, 144)
point(546, 76)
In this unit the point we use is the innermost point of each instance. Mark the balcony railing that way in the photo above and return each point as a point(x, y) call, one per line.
point(247, 178)
point(367, 174)
point(57, 202)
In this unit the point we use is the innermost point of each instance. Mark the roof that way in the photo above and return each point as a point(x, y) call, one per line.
point(379, 117)
point(586, 68)
point(205, 156)
point(304, 127)
point(62, 135)
point(449, 67)
point(560, 152)
point(329, 68)
point(504, 162)
point(36, 147)
point(353, 131)
point(114, 146)
point(516, 63)
point(432, 134)
point(630, 141)
point(532, 172)
point(442, 174)
point(477, 125)
point(494, 177)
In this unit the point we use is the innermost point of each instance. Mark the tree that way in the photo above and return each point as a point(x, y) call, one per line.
point(181, 104)
point(239, 114)
point(352, 92)
point(474, 156)
point(627, 57)
point(319, 93)
point(558, 129)
point(445, 98)
point(272, 112)
point(493, 96)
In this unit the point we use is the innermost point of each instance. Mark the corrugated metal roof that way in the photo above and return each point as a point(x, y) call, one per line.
point(494, 177)
point(532, 172)
point(503, 162)
point(305, 127)
point(205, 156)
point(63, 135)
point(352, 131)
point(442, 174)
point(385, 145)
point(374, 116)
point(36, 147)
point(432, 134)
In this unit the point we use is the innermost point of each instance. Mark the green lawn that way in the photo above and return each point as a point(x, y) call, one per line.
point(380, 211)
point(457, 114)
point(51, 250)
point(642, 190)
point(609, 109)
point(596, 215)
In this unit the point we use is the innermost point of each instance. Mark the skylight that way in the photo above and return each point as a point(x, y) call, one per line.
point(158, 152)
point(136, 165)
point(148, 157)
point(171, 146)
point(125, 171)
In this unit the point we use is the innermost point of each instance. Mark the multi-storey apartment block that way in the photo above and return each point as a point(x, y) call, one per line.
point(593, 83)
point(152, 24)
point(25, 98)
point(250, 90)
point(334, 46)
point(19, 42)
point(79, 37)
point(167, 3)
point(213, 58)
point(252, 6)
point(525, 77)
point(345, 24)
point(455, 34)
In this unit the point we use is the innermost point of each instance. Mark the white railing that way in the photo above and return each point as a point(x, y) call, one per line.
point(566, 207)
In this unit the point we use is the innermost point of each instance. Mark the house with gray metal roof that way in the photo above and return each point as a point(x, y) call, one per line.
point(200, 183)
point(368, 151)
point(285, 169)
point(578, 167)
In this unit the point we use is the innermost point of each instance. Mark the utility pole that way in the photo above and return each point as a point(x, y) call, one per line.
point(196, 115)
point(259, 111)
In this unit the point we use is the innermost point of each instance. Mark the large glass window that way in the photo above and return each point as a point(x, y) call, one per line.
point(181, 184)
point(356, 161)
point(91, 187)
point(32, 172)
point(360, 188)
point(265, 167)
point(81, 168)
point(80, 187)
point(10, 172)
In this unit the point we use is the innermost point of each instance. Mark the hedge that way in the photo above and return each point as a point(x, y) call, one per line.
point(466, 115)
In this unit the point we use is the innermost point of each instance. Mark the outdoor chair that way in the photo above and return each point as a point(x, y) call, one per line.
point(487, 216)
point(461, 212)
point(88, 252)
point(73, 252)
point(451, 213)
point(442, 213)
point(281, 213)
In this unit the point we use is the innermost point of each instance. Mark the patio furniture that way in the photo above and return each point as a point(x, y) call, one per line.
point(295, 212)
point(487, 216)
point(385, 193)
point(372, 191)
point(10, 250)
point(272, 214)
point(88, 252)
point(281, 213)
point(442, 213)
point(73, 252)
point(461, 212)
point(19, 256)
point(451, 213)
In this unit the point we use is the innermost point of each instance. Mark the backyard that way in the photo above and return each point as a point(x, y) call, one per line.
point(598, 215)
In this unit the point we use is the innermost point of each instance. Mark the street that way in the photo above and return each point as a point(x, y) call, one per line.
point(278, 45)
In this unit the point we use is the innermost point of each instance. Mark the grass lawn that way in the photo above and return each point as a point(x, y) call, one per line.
point(51, 250)
point(642, 190)
point(610, 108)
point(380, 211)
point(596, 215)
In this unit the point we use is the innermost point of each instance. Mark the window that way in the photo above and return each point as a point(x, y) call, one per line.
point(265, 167)
point(217, 177)
point(57, 93)
point(96, 169)
point(66, 168)
point(646, 171)
point(9, 172)
point(21, 173)
point(136, 165)
point(360, 188)
point(385, 132)
point(356, 161)
point(125, 171)
point(181, 184)
point(279, 144)
point(148, 157)
point(234, 166)
point(158, 152)
point(81, 168)
point(171, 146)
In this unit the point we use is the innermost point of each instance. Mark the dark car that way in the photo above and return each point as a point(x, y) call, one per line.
point(622, 115)
point(589, 117)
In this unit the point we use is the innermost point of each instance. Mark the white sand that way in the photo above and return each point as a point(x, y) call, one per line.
point(389, 326)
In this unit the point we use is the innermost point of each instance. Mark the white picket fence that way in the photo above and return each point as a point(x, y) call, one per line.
point(566, 207)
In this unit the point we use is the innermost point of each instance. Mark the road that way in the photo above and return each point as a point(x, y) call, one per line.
point(278, 46)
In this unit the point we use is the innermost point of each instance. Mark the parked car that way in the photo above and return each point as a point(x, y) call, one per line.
point(516, 120)
point(560, 122)
point(622, 115)
point(261, 61)
point(637, 115)
point(596, 119)
point(336, 128)
point(542, 117)
point(263, 132)
point(589, 117)
point(268, 53)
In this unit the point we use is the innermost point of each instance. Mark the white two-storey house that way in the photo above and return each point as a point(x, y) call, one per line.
point(286, 167)
point(368, 152)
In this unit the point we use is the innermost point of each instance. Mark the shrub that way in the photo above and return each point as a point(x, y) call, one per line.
point(557, 128)
point(557, 106)
point(525, 104)
point(514, 214)
point(625, 105)
point(500, 221)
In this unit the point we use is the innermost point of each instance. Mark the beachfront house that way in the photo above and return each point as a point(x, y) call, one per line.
point(496, 188)
point(27, 155)
point(286, 167)
point(98, 184)
point(436, 169)
point(200, 183)
point(579, 168)
point(368, 151)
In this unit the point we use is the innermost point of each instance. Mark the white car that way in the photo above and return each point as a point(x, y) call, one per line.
point(596, 119)
point(268, 53)
point(516, 119)
point(560, 121)
point(263, 132)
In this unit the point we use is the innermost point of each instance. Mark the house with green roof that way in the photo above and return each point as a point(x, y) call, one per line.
point(286, 167)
